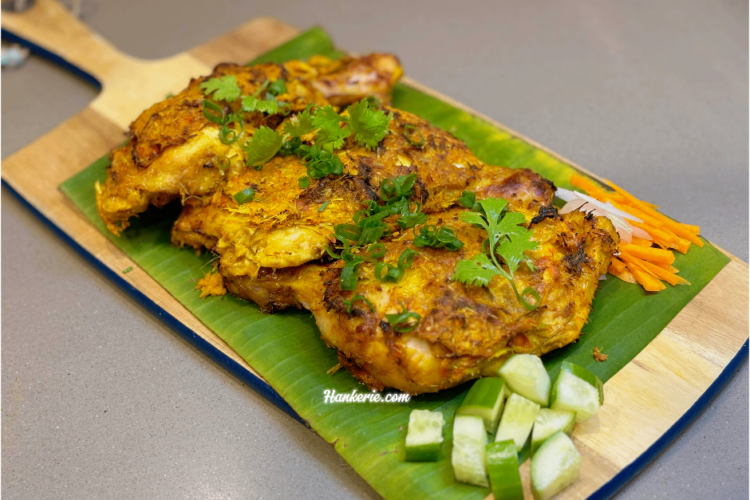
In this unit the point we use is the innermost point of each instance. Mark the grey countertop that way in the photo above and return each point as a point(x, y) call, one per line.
point(100, 400)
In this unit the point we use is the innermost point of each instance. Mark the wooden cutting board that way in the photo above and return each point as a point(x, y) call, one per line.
point(649, 402)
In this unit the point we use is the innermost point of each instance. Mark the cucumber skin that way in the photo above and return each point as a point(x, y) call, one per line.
point(586, 376)
point(580, 415)
point(459, 453)
point(423, 453)
point(475, 402)
point(502, 467)
point(568, 429)
point(542, 400)
point(557, 439)
point(512, 401)
point(428, 451)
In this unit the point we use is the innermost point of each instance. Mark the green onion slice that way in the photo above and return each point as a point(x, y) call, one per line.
point(223, 162)
point(245, 196)
point(323, 206)
point(229, 135)
point(408, 129)
point(405, 321)
point(407, 258)
point(377, 250)
point(304, 182)
point(213, 112)
point(357, 298)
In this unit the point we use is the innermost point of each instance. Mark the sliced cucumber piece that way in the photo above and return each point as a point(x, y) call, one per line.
point(485, 399)
point(424, 436)
point(468, 457)
point(502, 467)
point(517, 420)
point(550, 421)
point(525, 375)
point(572, 393)
point(585, 375)
point(554, 466)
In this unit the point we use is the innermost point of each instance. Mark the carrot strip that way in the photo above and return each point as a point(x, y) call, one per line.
point(655, 270)
point(667, 267)
point(624, 275)
point(617, 265)
point(649, 254)
point(638, 213)
point(585, 184)
point(649, 282)
point(680, 244)
point(676, 227)
point(641, 242)
point(692, 228)
point(655, 233)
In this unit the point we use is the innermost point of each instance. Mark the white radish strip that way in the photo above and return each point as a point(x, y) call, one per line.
point(637, 231)
point(572, 206)
point(565, 194)
point(609, 208)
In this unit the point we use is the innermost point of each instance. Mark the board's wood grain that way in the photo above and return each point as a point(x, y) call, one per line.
point(644, 399)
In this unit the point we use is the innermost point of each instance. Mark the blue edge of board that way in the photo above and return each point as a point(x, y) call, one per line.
point(265, 390)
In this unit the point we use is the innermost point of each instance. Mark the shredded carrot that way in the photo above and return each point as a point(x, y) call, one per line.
point(644, 261)
point(641, 242)
point(585, 184)
point(655, 270)
point(617, 265)
point(624, 275)
point(647, 280)
point(676, 227)
point(655, 233)
point(649, 254)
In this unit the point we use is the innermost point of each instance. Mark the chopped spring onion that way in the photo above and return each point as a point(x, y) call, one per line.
point(377, 250)
point(304, 182)
point(404, 321)
point(223, 162)
point(229, 135)
point(127, 270)
point(408, 130)
point(359, 297)
point(213, 112)
point(245, 196)
point(323, 206)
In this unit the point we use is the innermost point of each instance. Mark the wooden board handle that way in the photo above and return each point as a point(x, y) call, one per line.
point(50, 25)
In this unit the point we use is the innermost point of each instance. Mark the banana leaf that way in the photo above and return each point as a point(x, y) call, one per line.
point(286, 348)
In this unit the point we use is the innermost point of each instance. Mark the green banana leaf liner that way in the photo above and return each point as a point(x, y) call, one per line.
point(286, 348)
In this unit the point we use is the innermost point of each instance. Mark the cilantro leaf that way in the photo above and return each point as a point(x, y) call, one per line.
point(369, 126)
point(224, 88)
point(277, 87)
point(263, 146)
point(299, 125)
point(250, 104)
point(507, 238)
point(474, 218)
point(511, 224)
point(477, 271)
point(511, 250)
point(493, 208)
point(330, 132)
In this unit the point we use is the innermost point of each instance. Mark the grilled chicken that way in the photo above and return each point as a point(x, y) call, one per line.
point(174, 149)
point(273, 250)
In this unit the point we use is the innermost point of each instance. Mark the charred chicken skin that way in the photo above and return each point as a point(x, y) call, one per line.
point(273, 250)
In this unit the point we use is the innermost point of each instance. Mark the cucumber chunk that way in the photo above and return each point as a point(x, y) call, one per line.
point(517, 420)
point(424, 436)
point(502, 467)
point(554, 466)
point(572, 393)
point(468, 457)
point(485, 399)
point(550, 421)
point(586, 376)
point(525, 375)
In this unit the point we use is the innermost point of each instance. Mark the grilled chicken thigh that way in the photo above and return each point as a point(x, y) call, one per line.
point(273, 250)
point(174, 149)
